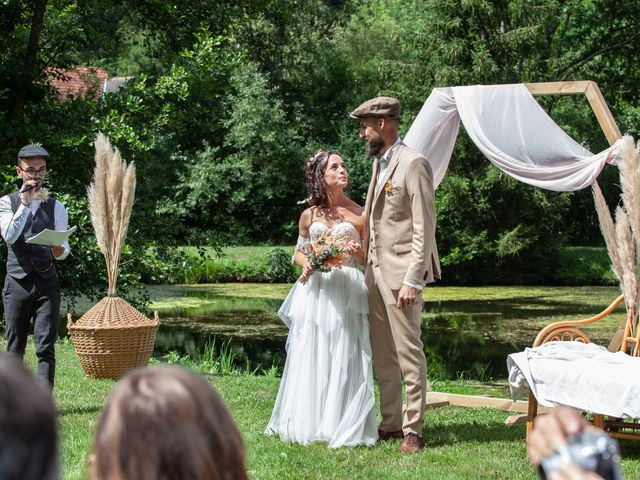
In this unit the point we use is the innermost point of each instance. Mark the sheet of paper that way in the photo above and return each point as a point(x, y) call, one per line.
point(51, 237)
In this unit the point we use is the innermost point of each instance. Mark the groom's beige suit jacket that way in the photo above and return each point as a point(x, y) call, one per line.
point(400, 240)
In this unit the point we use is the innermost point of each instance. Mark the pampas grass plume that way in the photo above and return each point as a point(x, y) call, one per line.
point(608, 229)
point(626, 252)
point(630, 183)
point(111, 195)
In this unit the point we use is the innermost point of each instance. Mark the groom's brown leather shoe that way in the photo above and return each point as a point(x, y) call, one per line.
point(412, 443)
point(382, 435)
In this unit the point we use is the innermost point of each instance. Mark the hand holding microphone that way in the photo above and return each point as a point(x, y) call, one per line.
point(27, 191)
point(26, 187)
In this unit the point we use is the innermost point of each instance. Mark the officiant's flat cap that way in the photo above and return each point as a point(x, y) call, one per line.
point(379, 107)
point(29, 151)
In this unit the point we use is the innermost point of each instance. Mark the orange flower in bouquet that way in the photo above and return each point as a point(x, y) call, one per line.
point(327, 252)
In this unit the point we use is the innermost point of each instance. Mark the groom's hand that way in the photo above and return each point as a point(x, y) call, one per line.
point(406, 296)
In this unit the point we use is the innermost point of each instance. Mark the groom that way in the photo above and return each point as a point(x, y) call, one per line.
point(401, 258)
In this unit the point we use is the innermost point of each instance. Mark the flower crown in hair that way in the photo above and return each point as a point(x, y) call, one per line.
point(319, 152)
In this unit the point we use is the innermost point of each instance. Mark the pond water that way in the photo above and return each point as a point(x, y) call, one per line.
point(466, 331)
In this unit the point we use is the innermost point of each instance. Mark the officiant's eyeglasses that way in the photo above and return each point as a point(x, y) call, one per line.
point(32, 172)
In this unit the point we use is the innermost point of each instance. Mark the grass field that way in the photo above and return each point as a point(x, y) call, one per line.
point(462, 443)
point(235, 264)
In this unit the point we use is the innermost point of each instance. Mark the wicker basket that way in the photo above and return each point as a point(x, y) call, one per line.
point(112, 338)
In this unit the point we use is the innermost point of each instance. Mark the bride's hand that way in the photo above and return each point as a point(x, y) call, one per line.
point(354, 247)
point(307, 270)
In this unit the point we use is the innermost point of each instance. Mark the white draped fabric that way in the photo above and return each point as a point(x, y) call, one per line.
point(511, 129)
point(583, 376)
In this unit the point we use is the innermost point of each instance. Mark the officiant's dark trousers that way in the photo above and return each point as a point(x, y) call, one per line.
point(37, 298)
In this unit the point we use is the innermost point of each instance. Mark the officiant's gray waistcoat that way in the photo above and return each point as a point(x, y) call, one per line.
point(24, 258)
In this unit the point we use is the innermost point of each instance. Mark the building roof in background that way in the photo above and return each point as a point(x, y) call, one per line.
point(85, 82)
point(80, 82)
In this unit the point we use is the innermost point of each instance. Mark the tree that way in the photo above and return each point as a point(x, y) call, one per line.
point(230, 97)
point(246, 186)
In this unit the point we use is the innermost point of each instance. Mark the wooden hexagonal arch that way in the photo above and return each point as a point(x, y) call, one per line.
point(592, 92)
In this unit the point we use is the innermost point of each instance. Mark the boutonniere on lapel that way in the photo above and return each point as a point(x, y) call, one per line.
point(390, 188)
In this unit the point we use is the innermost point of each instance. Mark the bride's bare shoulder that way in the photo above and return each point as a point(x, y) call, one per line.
point(354, 213)
point(354, 208)
point(306, 216)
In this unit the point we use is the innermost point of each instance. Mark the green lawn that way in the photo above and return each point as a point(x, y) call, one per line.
point(572, 266)
point(462, 443)
point(233, 264)
point(585, 266)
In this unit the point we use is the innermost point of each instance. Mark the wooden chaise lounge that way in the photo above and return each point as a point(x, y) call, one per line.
point(627, 341)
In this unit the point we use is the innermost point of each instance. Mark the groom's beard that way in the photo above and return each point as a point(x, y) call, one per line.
point(373, 147)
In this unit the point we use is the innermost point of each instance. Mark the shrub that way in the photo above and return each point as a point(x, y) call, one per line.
point(280, 269)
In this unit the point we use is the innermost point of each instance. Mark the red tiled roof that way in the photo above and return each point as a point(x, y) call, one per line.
point(83, 81)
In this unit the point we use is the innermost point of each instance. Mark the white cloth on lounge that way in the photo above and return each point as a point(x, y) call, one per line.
point(326, 392)
point(584, 376)
point(512, 130)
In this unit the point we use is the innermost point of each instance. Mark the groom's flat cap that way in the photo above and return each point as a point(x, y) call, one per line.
point(29, 151)
point(379, 107)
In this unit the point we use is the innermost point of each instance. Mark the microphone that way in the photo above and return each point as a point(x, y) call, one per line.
point(26, 188)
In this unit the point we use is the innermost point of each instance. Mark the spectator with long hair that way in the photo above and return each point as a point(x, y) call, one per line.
point(166, 423)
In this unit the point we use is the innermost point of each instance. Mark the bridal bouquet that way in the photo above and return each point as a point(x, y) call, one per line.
point(328, 252)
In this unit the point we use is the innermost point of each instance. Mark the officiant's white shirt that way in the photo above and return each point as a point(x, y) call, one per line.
point(12, 224)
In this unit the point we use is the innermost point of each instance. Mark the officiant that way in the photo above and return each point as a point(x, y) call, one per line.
point(31, 288)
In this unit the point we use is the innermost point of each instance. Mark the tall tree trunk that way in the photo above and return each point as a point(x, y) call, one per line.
point(30, 64)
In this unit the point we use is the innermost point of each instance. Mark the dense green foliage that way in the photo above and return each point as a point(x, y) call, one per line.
point(228, 98)
point(234, 264)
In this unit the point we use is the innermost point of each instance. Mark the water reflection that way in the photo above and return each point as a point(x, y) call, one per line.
point(461, 337)
point(249, 353)
point(466, 345)
point(454, 342)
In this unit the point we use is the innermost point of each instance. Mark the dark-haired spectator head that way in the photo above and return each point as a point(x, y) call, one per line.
point(28, 438)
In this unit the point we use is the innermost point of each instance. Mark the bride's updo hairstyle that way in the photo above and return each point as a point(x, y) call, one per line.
point(314, 176)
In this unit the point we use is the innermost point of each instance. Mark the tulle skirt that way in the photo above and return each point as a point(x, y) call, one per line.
point(326, 392)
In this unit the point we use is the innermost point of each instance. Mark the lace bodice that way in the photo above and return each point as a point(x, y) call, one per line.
point(345, 230)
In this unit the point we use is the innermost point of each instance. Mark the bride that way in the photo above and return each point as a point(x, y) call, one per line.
point(326, 391)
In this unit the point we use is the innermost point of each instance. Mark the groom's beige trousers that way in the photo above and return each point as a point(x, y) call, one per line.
point(398, 354)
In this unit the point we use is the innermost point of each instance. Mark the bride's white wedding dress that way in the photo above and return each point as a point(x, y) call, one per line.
point(326, 391)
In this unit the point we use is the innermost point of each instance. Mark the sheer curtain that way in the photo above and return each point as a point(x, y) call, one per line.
point(512, 131)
